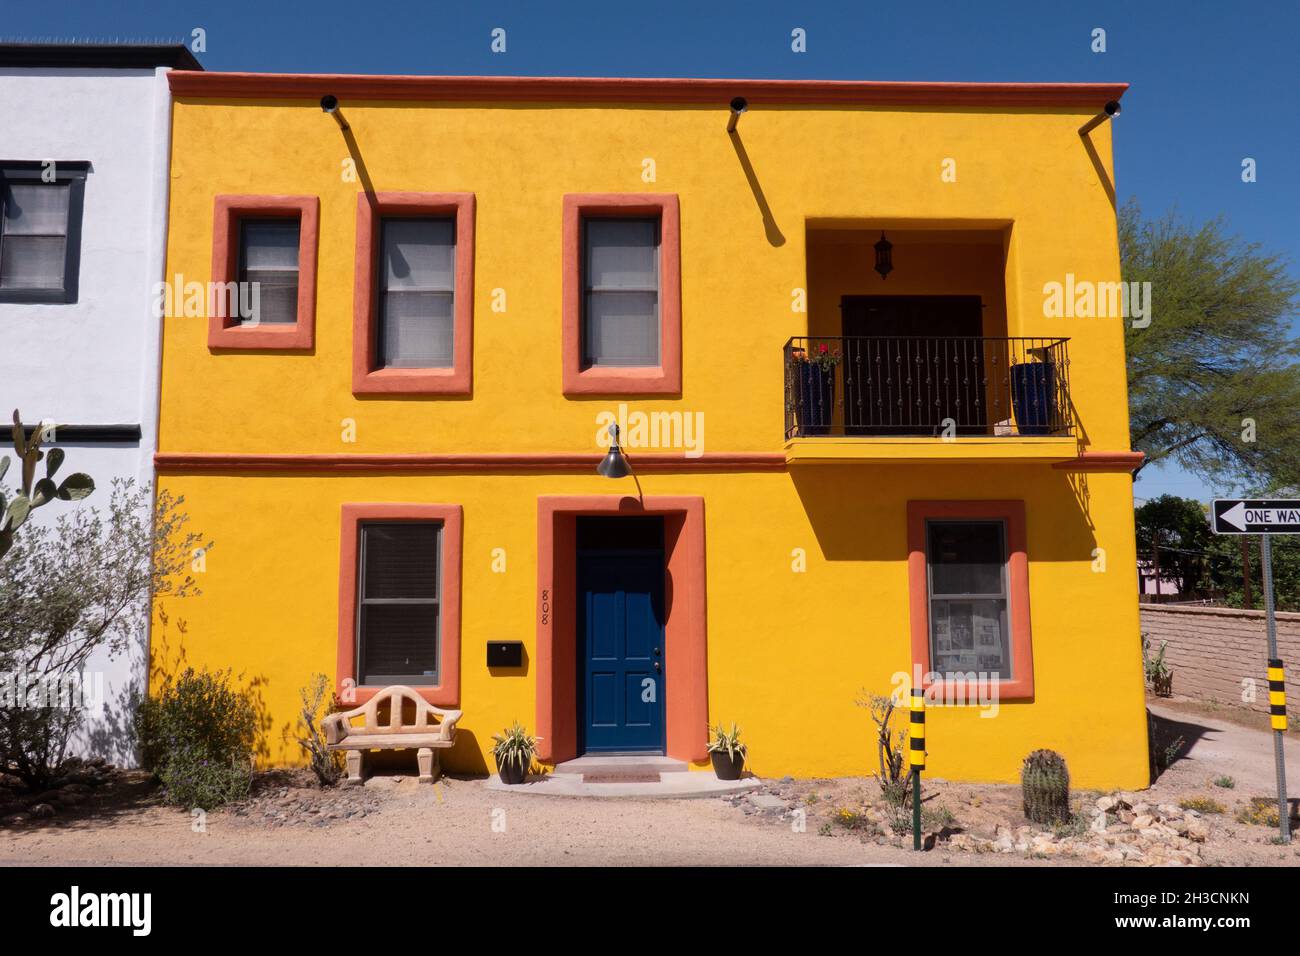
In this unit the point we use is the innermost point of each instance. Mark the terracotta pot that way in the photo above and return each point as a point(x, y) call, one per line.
point(726, 766)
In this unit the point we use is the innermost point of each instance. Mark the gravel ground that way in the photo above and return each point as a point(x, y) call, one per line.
point(394, 821)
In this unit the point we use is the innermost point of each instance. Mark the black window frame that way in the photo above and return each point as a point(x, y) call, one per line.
point(585, 289)
point(72, 172)
point(1007, 635)
point(364, 679)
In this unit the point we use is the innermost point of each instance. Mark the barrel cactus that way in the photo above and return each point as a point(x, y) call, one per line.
point(1045, 783)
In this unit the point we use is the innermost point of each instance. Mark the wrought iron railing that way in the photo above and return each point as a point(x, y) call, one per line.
point(927, 386)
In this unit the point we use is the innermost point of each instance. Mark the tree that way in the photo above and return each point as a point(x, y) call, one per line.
point(1173, 533)
point(68, 590)
point(1223, 570)
point(1213, 380)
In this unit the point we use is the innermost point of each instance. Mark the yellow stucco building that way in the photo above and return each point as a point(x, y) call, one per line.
point(862, 445)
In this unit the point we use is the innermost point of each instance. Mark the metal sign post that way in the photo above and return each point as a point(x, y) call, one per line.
point(1267, 517)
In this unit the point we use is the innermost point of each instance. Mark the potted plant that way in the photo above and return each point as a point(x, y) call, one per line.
point(513, 750)
point(727, 752)
point(815, 380)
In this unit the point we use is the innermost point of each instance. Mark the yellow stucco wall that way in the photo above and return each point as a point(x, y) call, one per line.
point(788, 651)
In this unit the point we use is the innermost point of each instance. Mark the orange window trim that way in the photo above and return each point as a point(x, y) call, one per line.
point(367, 377)
point(686, 683)
point(225, 332)
point(1021, 686)
point(664, 378)
point(447, 692)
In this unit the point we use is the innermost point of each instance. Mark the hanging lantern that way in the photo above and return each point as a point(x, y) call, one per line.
point(884, 257)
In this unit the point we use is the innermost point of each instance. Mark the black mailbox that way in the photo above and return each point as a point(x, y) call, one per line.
point(505, 654)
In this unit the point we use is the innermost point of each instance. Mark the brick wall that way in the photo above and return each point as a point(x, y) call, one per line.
point(1212, 649)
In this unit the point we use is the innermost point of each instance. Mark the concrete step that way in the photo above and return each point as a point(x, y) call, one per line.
point(621, 764)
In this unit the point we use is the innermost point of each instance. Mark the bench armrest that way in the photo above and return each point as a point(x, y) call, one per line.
point(447, 728)
point(335, 727)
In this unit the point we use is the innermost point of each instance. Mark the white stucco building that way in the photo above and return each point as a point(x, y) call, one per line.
point(84, 159)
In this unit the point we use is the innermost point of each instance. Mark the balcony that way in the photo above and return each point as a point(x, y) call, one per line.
point(926, 398)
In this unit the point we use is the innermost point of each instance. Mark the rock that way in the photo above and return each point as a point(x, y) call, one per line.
point(763, 801)
point(1125, 815)
point(1198, 831)
point(14, 819)
point(1142, 821)
point(1105, 803)
point(1003, 844)
point(75, 787)
point(42, 810)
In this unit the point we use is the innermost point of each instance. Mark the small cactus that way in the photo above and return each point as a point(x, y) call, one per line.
point(1045, 783)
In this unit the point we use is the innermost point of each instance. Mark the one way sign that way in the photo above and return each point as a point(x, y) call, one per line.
point(1239, 516)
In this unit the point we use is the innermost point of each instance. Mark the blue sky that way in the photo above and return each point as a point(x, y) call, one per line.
point(1212, 83)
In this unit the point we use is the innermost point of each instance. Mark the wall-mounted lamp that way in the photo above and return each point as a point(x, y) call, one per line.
point(1112, 108)
point(884, 257)
point(329, 103)
point(1109, 111)
point(738, 106)
point(615, 463)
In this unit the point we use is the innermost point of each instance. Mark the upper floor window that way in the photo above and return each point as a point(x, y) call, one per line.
point(263, 293)
point(40, 230)
point(417, 293)
point(620, 288)
point(413, 306)
point(622, 306)
point(268, 263)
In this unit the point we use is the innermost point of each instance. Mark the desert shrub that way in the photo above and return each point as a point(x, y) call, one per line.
point(197, 736)
point(317, 702)
point(1202, 805)
point(891, 749)
point(69, 589)
point(1225, 782)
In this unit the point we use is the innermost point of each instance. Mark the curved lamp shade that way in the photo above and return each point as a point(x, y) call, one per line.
point(614, 464)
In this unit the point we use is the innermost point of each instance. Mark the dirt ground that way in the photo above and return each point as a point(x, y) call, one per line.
point(459, 822)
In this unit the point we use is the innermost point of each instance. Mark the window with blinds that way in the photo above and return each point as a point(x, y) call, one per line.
point(417, 289)
point(268, 256)
point(967, 563)
point(398, 613)
point(40, 230)
point(620, 282)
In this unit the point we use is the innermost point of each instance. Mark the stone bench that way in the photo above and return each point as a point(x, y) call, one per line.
point(431, 729)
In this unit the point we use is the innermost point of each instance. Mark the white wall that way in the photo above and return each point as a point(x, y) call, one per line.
point(95, 361)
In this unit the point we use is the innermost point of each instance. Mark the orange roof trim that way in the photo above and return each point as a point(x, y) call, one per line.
point(713, 92)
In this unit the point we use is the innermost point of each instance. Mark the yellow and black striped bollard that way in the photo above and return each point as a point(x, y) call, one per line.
point(917, 761)
point(1276, 695)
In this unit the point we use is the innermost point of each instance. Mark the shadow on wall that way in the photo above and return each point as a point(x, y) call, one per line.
point(855, 517)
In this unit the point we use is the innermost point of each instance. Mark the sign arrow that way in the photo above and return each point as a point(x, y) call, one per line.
point(1256, 516)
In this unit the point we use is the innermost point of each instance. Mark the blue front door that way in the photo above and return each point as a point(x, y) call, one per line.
point(621, 662)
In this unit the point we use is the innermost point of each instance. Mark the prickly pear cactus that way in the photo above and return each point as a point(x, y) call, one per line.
point(1045, 783)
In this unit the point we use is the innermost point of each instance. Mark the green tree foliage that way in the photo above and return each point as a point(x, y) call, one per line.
point(1218, 351)
point(1179, 530)
point(1197, 559)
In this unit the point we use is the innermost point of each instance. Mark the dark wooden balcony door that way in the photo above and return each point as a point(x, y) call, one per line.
point(922, 363)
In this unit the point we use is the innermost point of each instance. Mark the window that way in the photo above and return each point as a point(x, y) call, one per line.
point(968, 578)
point(264, 272)
point(413, 298)
point(40, 230)
point(620, 291)
point(417, 293)
point(268, 262)
point(968, 598)
point(398, 603)
point(399, 599)
point(622, 304)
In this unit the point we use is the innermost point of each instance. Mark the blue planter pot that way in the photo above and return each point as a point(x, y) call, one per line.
point(1033, 394)
point(816, 399)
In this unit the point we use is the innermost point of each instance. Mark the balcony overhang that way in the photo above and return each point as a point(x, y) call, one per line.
point(829, 450)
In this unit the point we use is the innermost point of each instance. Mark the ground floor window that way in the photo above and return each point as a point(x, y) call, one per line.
point(398, 602)
point(968, 578)
point(967, 575)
